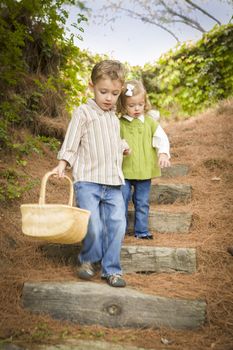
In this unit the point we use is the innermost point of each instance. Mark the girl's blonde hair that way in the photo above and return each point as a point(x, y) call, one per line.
point(112, 69)
point(138, 88)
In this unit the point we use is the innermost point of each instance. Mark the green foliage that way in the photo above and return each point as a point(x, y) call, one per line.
point(194, 76)
point(41, 332)
point(52, 142)
point(12, 182)
point(4, 136)
point(38, 61)
point(75, 74)
point(11, 186)
point(11, 107)
point(33, 144)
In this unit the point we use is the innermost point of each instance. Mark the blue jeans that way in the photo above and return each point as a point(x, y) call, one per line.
point(140, 197)
point(107, 224)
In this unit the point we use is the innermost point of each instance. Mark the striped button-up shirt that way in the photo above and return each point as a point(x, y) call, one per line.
point(93, 147)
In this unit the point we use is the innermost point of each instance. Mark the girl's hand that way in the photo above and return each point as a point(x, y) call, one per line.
point(59, 170)
point(164, 161)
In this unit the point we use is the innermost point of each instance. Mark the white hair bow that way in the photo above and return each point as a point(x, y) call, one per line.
point(129, 91)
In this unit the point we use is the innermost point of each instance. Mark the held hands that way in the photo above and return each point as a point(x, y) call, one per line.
point(125, 148)
point(59, 170)
point(126, 152)
point(164, 161)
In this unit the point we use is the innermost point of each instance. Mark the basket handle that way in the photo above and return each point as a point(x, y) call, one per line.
point(43, 188)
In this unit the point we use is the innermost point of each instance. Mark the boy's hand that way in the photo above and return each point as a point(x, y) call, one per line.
point(59, 170)
point(164, 161)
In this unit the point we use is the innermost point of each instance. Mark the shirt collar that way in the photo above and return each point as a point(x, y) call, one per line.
point(91, 103)
point(130, 119)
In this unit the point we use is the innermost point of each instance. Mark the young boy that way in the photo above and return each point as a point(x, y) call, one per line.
point(94, 149)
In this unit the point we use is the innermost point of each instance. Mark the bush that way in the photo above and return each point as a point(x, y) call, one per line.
point(194, 76)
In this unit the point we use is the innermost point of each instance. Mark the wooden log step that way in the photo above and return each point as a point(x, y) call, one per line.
point(92, 303)
point(165, 222)
point(135, 258)
point(175, 170)
point(79, 344)
point(170, 193)
point(158, 259)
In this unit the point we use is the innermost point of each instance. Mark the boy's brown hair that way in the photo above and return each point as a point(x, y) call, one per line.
point(138, 88)
point(112, 69)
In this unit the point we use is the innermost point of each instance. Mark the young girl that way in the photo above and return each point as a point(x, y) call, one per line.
point(149, 151)
point(94, 149)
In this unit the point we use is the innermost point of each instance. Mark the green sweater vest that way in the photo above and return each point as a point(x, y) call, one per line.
point(142, 163)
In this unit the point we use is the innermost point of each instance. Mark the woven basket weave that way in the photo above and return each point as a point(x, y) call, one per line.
point(55, 223)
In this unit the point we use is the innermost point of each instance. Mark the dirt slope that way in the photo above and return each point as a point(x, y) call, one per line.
point(205, 144)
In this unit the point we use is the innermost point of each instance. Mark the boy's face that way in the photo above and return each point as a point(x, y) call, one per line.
point(135, 105)
point(106, 92)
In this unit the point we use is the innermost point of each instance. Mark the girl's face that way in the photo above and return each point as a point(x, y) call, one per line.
point(135, 105)
point(106, 92)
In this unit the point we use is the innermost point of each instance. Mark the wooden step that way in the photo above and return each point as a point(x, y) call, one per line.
point(165, 222)
point(170, 193)
point(80, 344)
point(175, 170)
point(158, 259)
point(94, 303)
point(135, 258)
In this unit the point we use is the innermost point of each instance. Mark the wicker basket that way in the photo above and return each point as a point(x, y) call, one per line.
point(55, 223)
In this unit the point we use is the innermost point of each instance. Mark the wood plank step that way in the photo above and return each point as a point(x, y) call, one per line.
point(136, 258)
point(93, 303)
point(76, 344)
point(79, 344)
point(165, 222)
point(158, 259)
point(170, 193)
point(175, 170)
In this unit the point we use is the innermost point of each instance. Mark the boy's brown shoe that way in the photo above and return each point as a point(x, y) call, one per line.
point(116, 281)
point(86, 271)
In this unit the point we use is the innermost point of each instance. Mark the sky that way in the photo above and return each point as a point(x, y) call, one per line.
point(133, 41)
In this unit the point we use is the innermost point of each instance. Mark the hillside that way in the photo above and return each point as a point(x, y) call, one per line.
point(204, 143)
